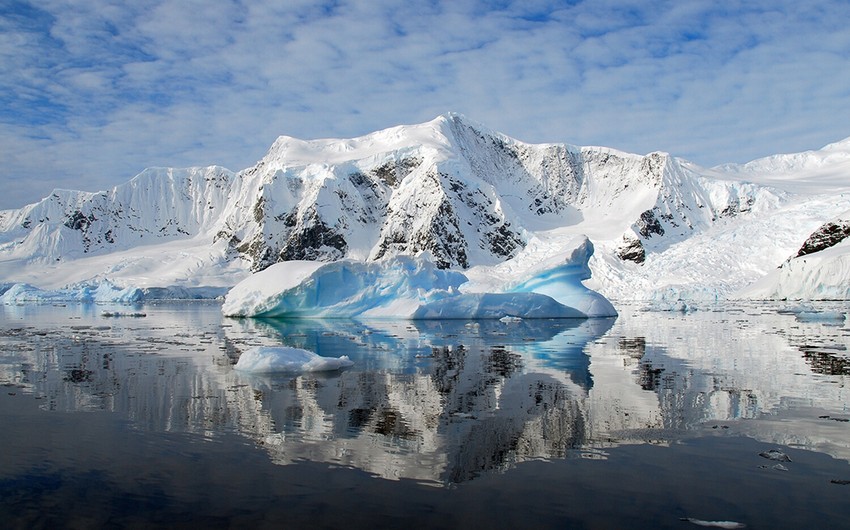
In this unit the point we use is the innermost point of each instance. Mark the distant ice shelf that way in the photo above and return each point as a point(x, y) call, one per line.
point(102, 292)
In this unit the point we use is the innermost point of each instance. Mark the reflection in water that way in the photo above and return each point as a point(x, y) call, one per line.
point(442, 402)
point(434, 401)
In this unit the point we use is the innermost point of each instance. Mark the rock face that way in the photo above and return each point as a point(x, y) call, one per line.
point(828, 235)
point(466, 195)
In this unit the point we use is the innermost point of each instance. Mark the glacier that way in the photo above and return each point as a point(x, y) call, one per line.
point(504, 213)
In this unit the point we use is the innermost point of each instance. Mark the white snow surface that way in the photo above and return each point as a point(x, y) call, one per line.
point(823, 275)
point(269, 359)
point(501, 211)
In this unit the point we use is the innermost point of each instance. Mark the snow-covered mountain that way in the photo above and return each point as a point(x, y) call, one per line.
point(472, 198)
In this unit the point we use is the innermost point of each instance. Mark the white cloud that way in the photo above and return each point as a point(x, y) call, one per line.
point(97, 91)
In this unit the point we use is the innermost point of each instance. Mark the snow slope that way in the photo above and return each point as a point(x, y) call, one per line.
point(474, 199)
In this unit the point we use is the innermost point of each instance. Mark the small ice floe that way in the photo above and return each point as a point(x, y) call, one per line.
point(109, 314)
point(808, 313)
point(775, 454)
point(780, 467)
point(269, 359)
point(824, 317)
point(714, 524)
point(508, 319)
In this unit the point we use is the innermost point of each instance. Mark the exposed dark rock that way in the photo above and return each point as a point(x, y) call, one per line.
point(393, 171)
point(503, 241)
point(257, 251)
point(631, 250)
point(734, 208)
point(313, 239)
point(648, 225)
point(828, 235)
point(79, 221)
point(259, 210)
point(438, 232)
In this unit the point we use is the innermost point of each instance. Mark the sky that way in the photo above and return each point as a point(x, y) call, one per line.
point(93, 92)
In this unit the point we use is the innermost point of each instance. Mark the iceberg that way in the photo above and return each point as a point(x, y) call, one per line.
point(407, 287)
point(87, 292)
point(347, 288)
point(270, 359)
point(562, 279)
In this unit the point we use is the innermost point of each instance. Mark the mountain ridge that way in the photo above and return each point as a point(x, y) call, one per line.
point(467, 195)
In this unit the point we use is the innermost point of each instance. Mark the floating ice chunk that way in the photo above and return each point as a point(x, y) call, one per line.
point(775, 454)
point(176, 292)
point(832, 317)
point(714, 524)
point(807, 313)
point(115, 314)
point(268, 359)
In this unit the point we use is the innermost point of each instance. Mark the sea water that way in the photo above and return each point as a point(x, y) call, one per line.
point(134, 416)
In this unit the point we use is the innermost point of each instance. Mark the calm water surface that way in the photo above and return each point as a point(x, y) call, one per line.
point(636, 422)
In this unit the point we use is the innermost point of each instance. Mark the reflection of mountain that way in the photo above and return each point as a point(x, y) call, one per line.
point(438, 402)
point(689, 370)
point(434, 401)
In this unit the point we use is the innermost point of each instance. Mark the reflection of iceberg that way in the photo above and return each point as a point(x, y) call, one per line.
point(448, 401)
point(495, 306)
point(413, 288)
point(274, 359)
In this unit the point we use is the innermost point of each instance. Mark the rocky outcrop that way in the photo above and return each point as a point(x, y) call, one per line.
point(631, 249)
point(828, 235)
